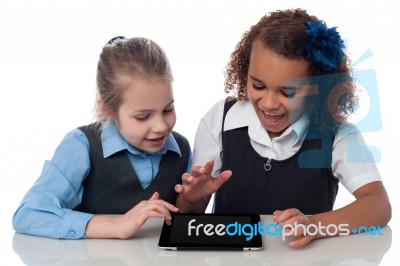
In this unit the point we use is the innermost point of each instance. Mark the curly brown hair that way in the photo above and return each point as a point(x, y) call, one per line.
point(284, 32)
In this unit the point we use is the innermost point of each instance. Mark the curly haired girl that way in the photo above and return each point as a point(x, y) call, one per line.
point(279, 142)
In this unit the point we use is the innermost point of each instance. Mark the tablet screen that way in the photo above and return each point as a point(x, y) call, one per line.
point(211, 231)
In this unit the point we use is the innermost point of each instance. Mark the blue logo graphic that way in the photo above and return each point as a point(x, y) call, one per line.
point(371, 122)
point(251, 230)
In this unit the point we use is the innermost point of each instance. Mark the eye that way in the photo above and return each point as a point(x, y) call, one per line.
point(289, 92)
point(142, 117)
point(258, 87)
point(169, 109)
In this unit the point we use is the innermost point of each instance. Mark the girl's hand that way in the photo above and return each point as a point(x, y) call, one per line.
point(290, 217)
point(198, 186)
point(125, 226)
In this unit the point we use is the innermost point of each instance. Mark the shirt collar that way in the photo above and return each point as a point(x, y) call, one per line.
point(242, 114)
point(113, 142)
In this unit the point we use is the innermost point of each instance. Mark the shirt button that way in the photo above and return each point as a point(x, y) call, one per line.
point(72, 234)
point(144, 158)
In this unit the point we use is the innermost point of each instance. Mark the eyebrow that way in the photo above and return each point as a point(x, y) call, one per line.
point(149, 110)
point(256, 79)
point(279, 87)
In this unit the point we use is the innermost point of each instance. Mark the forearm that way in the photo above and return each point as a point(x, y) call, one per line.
point(102, 226)
point(370, 209)
point(42, 215)
point(126, 225)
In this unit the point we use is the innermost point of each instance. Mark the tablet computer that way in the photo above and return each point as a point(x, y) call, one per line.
point(211, 232)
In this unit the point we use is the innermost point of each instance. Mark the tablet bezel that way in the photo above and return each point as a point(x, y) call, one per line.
point(165, 244)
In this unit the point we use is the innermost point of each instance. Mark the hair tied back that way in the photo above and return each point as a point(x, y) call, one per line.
point(115, 39)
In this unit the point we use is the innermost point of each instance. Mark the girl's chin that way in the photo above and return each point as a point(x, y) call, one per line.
point(274, 133)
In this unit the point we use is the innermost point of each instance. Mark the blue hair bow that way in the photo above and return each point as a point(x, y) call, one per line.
point(325, 46)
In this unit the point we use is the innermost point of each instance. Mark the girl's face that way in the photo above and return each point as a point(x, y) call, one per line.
point(146, 115)
point(273, 91)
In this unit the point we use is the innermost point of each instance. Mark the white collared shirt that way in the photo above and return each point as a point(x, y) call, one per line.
point(351, 174)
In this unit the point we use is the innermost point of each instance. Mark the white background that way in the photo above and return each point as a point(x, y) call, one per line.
point(49, 51)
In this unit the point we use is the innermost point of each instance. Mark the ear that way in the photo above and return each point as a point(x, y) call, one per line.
point(104, 112)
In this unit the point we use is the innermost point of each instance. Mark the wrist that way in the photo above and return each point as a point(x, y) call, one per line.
point(191, 207)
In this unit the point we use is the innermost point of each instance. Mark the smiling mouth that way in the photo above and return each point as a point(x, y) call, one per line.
point(272, 119)
point(157, 140)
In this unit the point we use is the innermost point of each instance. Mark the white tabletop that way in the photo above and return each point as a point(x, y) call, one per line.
point(143, 249)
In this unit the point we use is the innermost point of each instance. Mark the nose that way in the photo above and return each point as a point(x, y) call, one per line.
point(270, 100)
point(160, 125)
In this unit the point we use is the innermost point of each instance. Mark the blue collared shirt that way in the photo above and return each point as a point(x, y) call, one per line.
point(46, 209)
point(145, 164)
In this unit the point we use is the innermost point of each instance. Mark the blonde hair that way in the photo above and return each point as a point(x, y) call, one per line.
point(123, 60)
